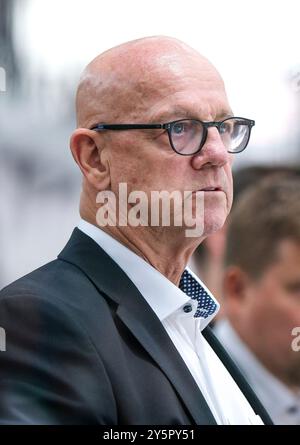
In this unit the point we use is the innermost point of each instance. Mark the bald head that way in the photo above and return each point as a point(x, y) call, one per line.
point(123, 82)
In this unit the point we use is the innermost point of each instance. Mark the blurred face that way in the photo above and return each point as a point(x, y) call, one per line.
point(177, 87)
point(272, 310)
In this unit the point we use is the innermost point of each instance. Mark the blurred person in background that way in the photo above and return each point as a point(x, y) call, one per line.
point(208, 259)
point(262, 293)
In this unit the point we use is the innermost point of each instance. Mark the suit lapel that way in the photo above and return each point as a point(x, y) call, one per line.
point(148, 330)
point(236, 375)
point(139, 318)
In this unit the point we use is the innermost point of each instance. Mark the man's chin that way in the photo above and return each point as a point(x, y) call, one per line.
point(213, 223)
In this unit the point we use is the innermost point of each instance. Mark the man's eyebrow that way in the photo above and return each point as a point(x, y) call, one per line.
point(173, 114)
point(183, 113)
point(224, 114)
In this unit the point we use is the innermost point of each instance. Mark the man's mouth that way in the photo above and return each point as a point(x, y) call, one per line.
point(210, 189)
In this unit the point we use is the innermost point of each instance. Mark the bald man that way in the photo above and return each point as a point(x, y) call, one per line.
point(115, 331)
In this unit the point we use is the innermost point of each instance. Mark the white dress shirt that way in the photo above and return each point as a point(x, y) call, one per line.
point(223, 396)
point(280, 402)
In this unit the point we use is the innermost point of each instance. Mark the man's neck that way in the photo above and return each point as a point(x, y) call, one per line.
point(167, 249)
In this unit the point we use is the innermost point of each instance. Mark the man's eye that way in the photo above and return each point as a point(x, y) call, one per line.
point(225, 128)
point(178, 128)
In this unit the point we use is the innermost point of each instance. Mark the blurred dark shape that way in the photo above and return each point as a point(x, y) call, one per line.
point(8, 55)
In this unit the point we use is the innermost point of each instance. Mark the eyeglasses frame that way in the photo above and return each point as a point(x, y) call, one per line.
point(169, 125)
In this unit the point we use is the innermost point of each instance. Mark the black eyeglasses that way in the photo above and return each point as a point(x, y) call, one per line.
point(187, 136)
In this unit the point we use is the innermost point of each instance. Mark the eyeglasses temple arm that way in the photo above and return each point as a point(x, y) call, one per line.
point(100, 127)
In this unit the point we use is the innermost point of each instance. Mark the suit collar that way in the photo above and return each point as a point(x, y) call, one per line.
point(139, 318)
point(148, 280)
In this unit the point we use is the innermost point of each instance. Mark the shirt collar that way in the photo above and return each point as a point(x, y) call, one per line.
point(160, 293)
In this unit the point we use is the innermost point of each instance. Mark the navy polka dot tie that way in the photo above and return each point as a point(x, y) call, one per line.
point(191, 287)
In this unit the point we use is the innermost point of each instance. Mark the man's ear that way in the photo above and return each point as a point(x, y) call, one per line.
point(236, 284)
point(90, 158)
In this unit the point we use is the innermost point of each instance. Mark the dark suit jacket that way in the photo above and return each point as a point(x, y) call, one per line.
point(84, 347)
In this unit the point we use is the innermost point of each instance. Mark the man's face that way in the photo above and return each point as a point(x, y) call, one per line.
point(273, 310)
point(174, 89)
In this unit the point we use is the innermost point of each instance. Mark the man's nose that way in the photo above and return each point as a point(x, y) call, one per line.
point(213, 152)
